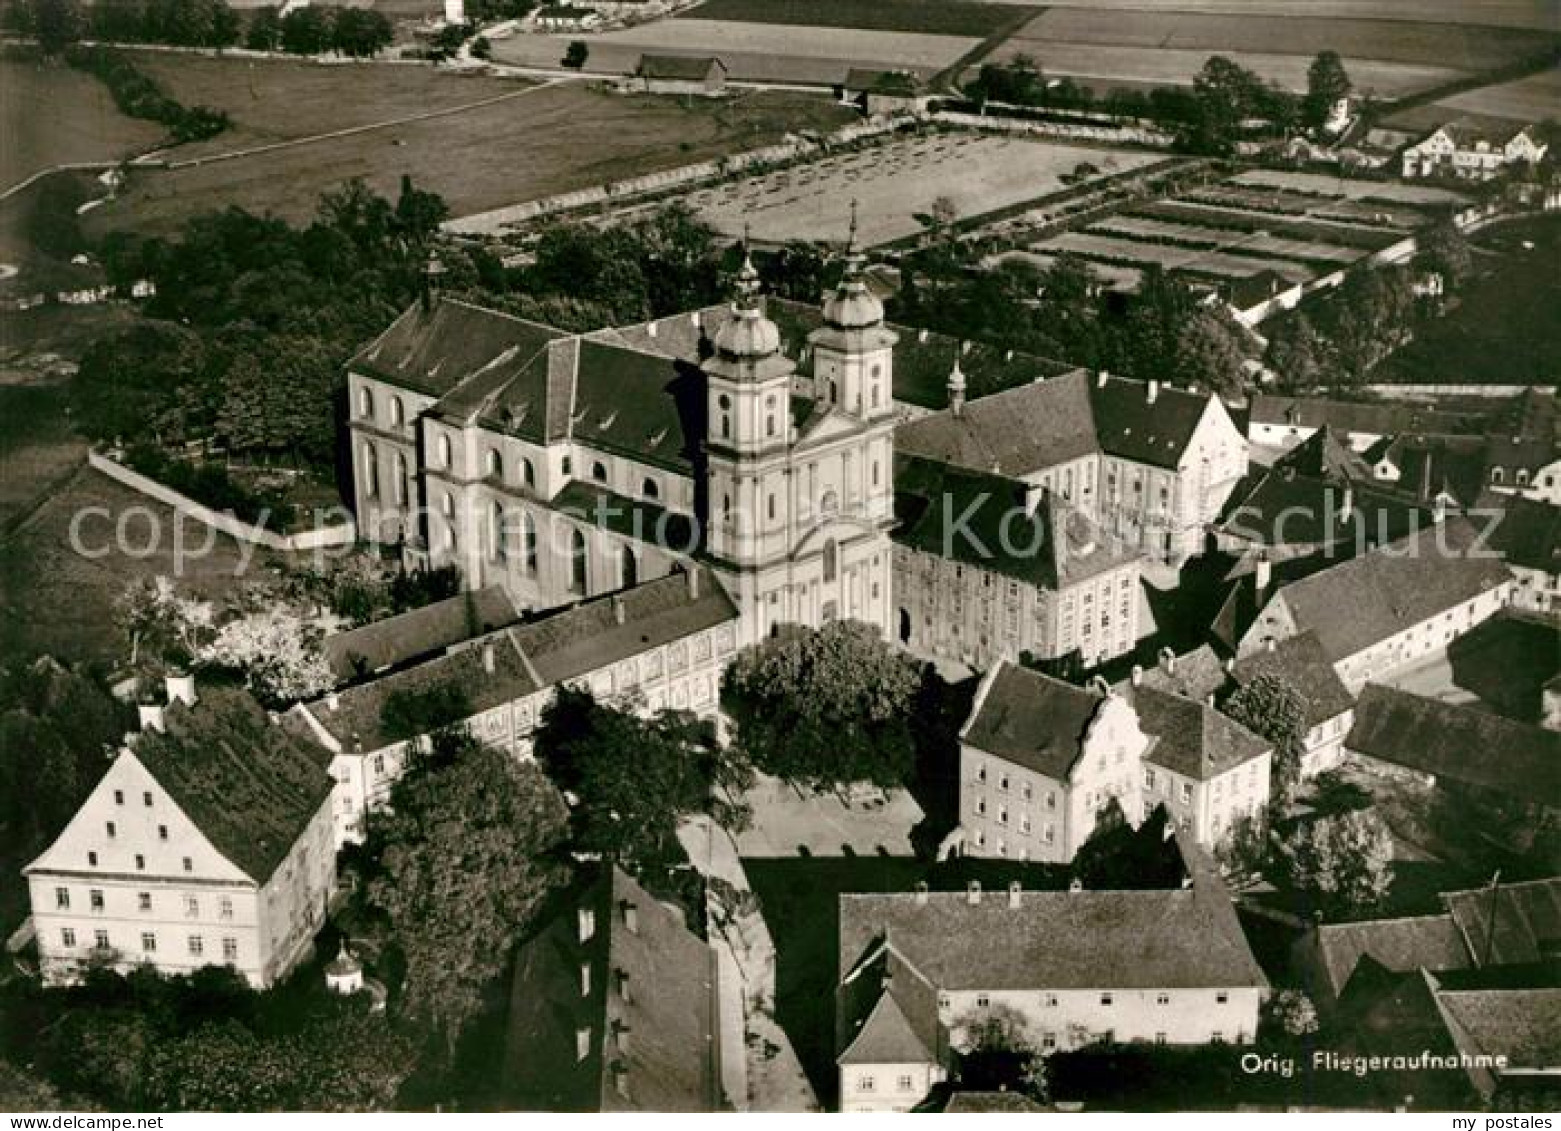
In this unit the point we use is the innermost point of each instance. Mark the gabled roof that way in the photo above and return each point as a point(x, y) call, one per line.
point(1367, 599)
point(883, 82)
point(434, 347)
point(1439, 738)
point(1013, 433)
point(1282, 508)
point(1381, 418)
point(1301, 662)
point(1429, 466)
point(251, 786)
point(686, 68)
point(1325, 455)
point(1195, 740)
point(1529, 530)
point(1430, 942)
point(1195, 675)
point(1522, 1025)
point(1514, 924)
point(660, 1038)
point(1031, 719)
point(1131, 425)
point(420, 632)
point(1100, 940)
point(887, 1013)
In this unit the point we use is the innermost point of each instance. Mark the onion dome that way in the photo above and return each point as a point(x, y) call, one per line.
point(747, 333)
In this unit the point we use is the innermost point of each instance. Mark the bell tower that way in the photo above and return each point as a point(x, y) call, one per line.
point(853, 351)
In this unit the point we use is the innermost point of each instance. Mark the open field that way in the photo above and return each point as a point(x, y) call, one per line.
point(1531, 99)
point(759, 52)
point(895, 180)
point(54, 115)
point(1323, 185)
point(1537, 14)
point(1506, 328)
point(546, 140)
point(1376, 40)
point(927, 17)
point(1104, 65)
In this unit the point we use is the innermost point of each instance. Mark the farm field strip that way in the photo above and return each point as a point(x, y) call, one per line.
point(1325, 185)
point(1238, 220)
point(929, 17)
point(1104, 64)
point(1386, 41)
point(896, 180)
point(1536, 14)
point(1531, 99)
point(1401, 217)
point(1134, 253)
point(1191, 236)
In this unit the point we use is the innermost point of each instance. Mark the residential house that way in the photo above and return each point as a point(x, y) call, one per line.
point(917, 969)
point(680, 74)
point(1285, 422)
point(1301, 663)
point(661, 644)
point(1527, 533)
point(883, 92)
point(1472, 150)
point(567, 17)
point(615, 1006)
point(208, 842)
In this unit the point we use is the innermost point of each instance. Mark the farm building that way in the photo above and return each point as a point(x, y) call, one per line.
point(882, 92)
point(680, 74)
point(1471, 151)
point(567, 17)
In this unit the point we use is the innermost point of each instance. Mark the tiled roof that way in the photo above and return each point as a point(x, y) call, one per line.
point(1430, 942)
point(1301, 662)
point(1184, 938)
point(1013, 433)
point(433, 348)
point(251, 786)
point(1524, 1025)
point(1381, 418)
point(1131, 426)
point(1379, 594)
point(1324, 455)
point(1431, 465)
point(420, 632)
point(982, 520)
point(1438, 738)
point(687, 68)
point(1012, 1103)
point(640, 519)
point(1031, 719)
point(1284, 508)
point(663, 1034)
point(887, 1013)
point(1195, 740)
point(882, 82)
point(1528, 533)
point(1195, 675)
point(1518, 923)
point(637, 404)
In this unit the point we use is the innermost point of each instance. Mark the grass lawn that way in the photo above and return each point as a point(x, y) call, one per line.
point(928, 17)
point(1506, 328)
point(550, 140)
point(55, 115)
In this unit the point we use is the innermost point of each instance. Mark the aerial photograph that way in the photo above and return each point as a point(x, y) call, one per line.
point(563, 557)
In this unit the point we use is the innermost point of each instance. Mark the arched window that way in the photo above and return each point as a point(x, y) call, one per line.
point(528, 543)
point(568, 465)
point(366, 402)
point(770, 507)
point(830, 503)
point(725, 403)
point(370, 471)
point(831, 560)
point(875, 473)
point(726, 508)
point(1522, 477)
point(769, 416)
point(447, 505)
point(579, 566)
point(528, 474)
point(397, 413)
point(444, 451)
point(1497, 475)
point(495, 464)
point(399, 466)
point(630, 567)
point(496, 533)
point(599, 471)
point(650, 488)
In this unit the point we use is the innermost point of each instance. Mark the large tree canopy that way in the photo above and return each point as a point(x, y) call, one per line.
point(825, 706)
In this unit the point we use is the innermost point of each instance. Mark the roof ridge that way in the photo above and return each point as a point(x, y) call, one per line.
point(497, 313)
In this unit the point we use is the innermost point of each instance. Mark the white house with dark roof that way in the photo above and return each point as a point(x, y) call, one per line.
point(662, 644)
point(918, 968)
point(1300, 662)
point(208, 842)
point(1471, 150)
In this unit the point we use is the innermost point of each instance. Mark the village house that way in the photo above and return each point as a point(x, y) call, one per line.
point(661, 644)
point(208, 842)
point(1527, 532)
point(917, 969)
point(680, 74)
point(1300, 663)
point(1286, 422)
point(567, 17)
point(1471, 151)
point(616, 1006)
point(877, 92)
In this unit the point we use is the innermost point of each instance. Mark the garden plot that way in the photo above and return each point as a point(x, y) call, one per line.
point(1320, 184)
point(897, 181)
point(1133, 253)
point(1213, 239)
point(1235, 220)
point(1400, 217)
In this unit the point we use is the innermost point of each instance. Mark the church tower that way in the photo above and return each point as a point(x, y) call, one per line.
point(801, 491)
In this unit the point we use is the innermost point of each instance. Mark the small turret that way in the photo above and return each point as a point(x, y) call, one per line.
point(957, 388)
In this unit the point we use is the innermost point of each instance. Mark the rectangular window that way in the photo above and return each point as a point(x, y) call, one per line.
point(143, 901)
point(109, 828)
point(146, 799)
point(189, 865)
point(1148, 778)
point(865, 1084)
point(140, 862)
point(95, 898)
point(1051, 1001)
point(1217, 1037)
point(1105, 999)
point(162, 832)
point(119, 797)
point(1221, 998)
point(92, 859)
point(225, 907)
point(1159, 1038)
point(1187, 793)
point(1162, 999)
point(230, 950)
point(148, 942)
point(100, 939)
point(192, 907)
point(197, 946)
point(68, 936)
point(62, 899)
point(906, 1083)
point(1048, 1041)
point(982, 1001)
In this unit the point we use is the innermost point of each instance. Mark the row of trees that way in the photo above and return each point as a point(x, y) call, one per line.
point(310, 30)
point(1224, 103)
point(139, 96)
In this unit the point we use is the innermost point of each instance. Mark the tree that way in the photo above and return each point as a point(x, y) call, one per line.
point(265, 29)
point(418, 212)
point(1209, 354)
point(159, 626)
point(1293, 1013)
point(1246, 849)
point(1271, 708)
point(1444, 249)
point(278, 653)
point(1000, 1056)
point(56, 24)
point(361, 33)
point(825, 706)
point(466, 856)
point(1296, 353)
point(636, 778)
point(1343, 864)
point(1326, 83)
point(307, 31)
point(576, 54)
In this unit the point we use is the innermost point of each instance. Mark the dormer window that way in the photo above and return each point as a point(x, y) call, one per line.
point(444, 452)
point(599, 471)
point(650, 489)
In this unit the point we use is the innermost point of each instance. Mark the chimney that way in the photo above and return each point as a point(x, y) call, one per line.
point(1439, 508)
point(619, 613)
point(631, 917)
point(1168, 661)
point(1229, 665)
point(1099, 686)
point(693, 581)
point(1015, 890)
point(181, 688)
point(586, 922)
point(1138, 675)
point(921, 893)
point(1101, 378)
point(620, 1078)
point(151, 716)
point(487, 656)
point(1154, 391)
point(585, 979)
point(1263, 575)
point(973, 893)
